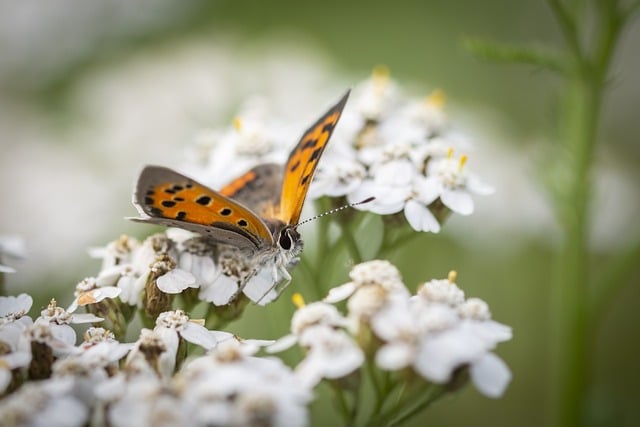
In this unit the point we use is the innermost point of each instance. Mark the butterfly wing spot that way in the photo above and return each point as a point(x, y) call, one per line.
point(305, 179)
point(225, 212)
point(156, 211)
point(150, 192)
point(179, 199)
point(203, 200)
point(148, 200)
point(181, 215)
point(242, 222)
point(168, 203)
point(295, 166)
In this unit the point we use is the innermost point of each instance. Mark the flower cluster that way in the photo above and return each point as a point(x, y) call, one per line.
point(149, 275)
point(434, 333)
point(402, 152)
point(138, 383)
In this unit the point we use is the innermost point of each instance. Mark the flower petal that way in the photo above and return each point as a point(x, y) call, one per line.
point(199, 335)
point(458, 201)
point(490, 375)
point(420, 217)
point(395, 356)
point(176, 281)
point(340, 293)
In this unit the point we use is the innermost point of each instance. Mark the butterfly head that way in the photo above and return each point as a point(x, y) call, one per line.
point(286, 237)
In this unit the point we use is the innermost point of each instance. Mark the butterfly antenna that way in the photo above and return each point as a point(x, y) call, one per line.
point(332, 211)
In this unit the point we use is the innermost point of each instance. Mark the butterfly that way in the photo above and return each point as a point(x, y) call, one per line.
point(256, 213)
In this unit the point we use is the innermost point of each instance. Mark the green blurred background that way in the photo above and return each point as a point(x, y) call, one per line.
point(90, 91)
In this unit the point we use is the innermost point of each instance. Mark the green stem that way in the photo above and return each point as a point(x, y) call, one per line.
point(615, 277)
point(571, 328)
point(433, 394)
point(343, 405)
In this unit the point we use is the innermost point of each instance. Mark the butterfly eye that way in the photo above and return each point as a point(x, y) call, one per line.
point(285, 240)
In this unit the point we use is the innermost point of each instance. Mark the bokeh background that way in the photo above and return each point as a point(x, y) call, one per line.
point(90, 91)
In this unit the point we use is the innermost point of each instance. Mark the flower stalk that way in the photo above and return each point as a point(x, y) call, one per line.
point(586, 83)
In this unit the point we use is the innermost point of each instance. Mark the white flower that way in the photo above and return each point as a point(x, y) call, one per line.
point(59, 321)
point(449, 179)
point(442, 291)
point(236, 274)
point(331, 353)
point(197, 258)
point(227, 387)
point(11, 247)
point(175, 281)
point(305, 318)
point(378, 272)
point(10, 362)
point(14, 308)
point(101, 347)
point(45, 403)
point(142, 400)
point(248, 347)
point(117, 253)
point(233, 271)
point(90, 290)
point(153, 354)
point(178, 323)
point(376, 95)
point(253, 139)
point(337, 176)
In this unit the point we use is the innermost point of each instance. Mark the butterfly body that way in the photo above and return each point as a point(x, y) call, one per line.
point(257, 213)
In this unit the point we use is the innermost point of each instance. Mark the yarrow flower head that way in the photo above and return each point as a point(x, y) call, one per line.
point(434, 333)
point(399, 151)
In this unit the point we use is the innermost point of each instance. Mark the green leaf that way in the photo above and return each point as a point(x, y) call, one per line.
point(517, 54)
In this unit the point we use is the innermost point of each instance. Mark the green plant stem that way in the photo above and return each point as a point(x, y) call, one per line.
point(616, 276)
point(583, 100)
point(433, 394)
point(343, 405)
point(570, 290)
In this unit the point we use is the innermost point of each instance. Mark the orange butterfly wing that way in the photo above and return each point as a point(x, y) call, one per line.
point(169, 198)
point(302, 163)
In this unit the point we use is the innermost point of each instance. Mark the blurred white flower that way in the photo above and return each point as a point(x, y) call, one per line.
point(248, 347)
point(142, 399)
point(11, 247)
point(305, 319)
point(227, 387)
point(377, 272)
point(45, 403)
point(331, 354)
point(449, 180)
point(153, 354)
point(15, 347)
point(14, 308)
